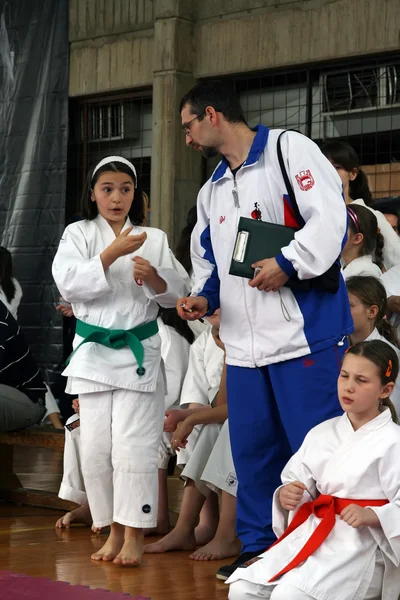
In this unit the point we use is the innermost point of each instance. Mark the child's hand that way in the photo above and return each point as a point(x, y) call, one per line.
point(172, 418)
point(75, 405)
point(291, 494)
point(144, 271)
point(181, 434)
point(126, 244)
point(357, 516)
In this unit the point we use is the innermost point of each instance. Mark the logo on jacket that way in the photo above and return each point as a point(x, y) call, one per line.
point(256, 213)
point(305, 180)
point(308, 362)
point(221, 219)
point(139, 281)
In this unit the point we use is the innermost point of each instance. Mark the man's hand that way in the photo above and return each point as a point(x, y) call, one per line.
point(75, 405)
point(271, 277)
point(192, 307)
point(291, 494)
point(357, 516)
point(181, 434)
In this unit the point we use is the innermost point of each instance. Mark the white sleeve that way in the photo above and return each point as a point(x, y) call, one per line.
point(205, 272)
point(195, 385)
point(174, 275)
point(174, 353)
point(318, 191)
point(295, 470)
point(391, 281)
point(78, 277)
point(388, 535)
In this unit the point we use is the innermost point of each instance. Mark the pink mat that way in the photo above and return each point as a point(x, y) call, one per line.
point(15, 586)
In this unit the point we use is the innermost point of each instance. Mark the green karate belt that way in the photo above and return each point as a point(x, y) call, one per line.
point(117, 339)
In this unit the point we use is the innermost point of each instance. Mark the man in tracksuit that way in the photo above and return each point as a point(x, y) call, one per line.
point(283, 347)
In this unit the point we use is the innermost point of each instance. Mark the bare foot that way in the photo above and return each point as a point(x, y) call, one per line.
point(217, 549)
point(131, 552)
point(205, 533)
point(175, 540)
point(78, 515)
point(113, 544)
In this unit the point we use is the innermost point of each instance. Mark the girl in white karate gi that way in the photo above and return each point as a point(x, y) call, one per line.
point(362, 253)
point(356, 192)
point(115, 274)
point(368, 305)
point(176, 338)
point(202, 438)
point(342, 489)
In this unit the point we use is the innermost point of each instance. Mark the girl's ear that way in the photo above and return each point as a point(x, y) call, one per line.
point(387, 390)
point(93, 199)
point(358, 238)
point(353, 174)
point(373, 311)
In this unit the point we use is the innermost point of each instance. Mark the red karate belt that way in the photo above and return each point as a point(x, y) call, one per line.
point(325, 508)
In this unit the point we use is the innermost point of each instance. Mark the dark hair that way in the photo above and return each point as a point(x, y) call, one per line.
point(362, 220)
point(370, 291)
point(385, 360)
point(182, 252)
point(343, 155)
point(6, 274)
point(89, 208)
point(171, 318)
point(218, 93)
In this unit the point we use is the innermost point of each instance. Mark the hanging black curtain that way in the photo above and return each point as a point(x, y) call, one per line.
point(33, 155)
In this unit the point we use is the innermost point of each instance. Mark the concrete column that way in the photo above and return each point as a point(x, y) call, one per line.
point(175, 169)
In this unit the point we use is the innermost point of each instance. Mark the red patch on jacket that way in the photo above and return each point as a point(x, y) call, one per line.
point(305, 180)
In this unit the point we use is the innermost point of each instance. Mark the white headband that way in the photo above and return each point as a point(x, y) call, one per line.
point(110, 159)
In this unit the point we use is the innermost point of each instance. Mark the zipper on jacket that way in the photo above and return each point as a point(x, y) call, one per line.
point(235, 194)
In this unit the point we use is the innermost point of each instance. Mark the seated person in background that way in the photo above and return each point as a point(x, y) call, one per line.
point(390, 208)
point(22, 391)
point(10, 290)
point(368, 307)
point(204, 444)
point(362, 253)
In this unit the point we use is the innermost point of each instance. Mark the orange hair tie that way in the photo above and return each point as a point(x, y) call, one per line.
point(389, 369)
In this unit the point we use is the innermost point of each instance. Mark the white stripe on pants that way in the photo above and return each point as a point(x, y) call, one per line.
point(72, 486)
point(120, 436)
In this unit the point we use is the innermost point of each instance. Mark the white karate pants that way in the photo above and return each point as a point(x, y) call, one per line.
point(120, 436)
point(245, 590)
point(72, 486)
point(219, 473)
point(197, 456)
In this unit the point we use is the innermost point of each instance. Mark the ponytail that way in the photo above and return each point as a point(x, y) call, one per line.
point(359, 188)
point(389, 404)
point(387, 330)
point(379, 250)
point(370, 291)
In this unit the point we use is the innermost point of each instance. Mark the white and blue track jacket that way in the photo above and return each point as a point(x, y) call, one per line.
point(260, 328)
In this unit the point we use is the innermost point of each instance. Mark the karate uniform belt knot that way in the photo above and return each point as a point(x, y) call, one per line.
point(117, 339)
point(325, 508)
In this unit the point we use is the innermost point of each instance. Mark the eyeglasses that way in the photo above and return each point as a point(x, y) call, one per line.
point(186, 126)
